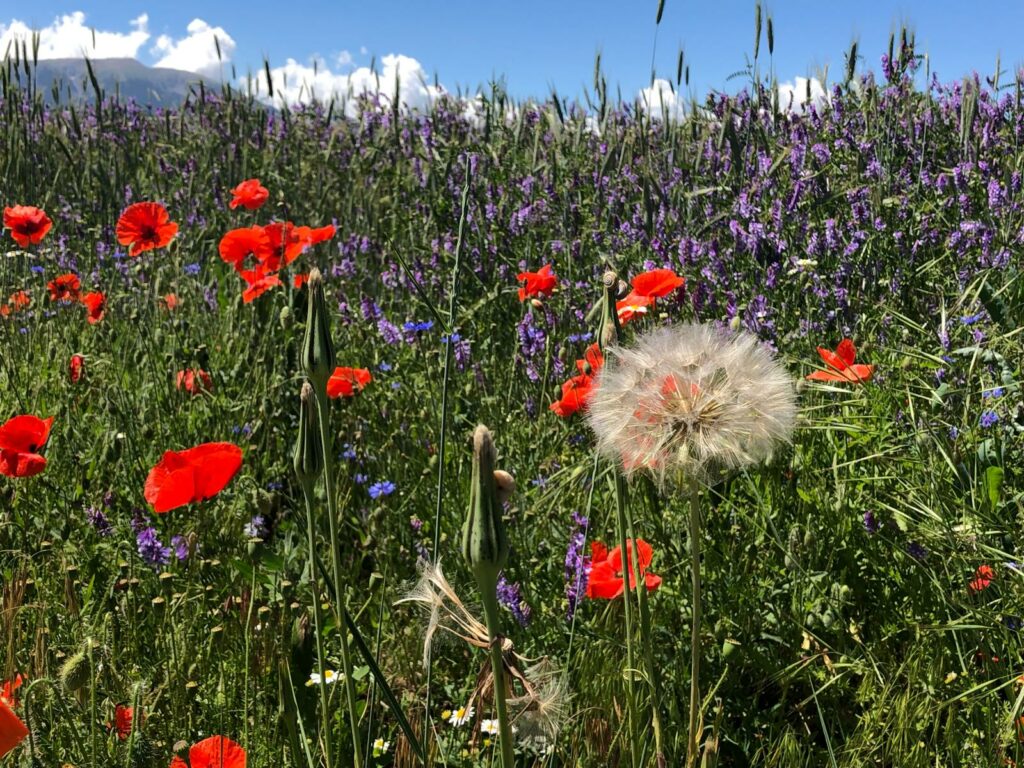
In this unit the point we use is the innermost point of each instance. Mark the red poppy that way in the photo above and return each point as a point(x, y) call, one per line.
point(250, 194)
point(634, 304)
point(592, 361)
point(238, 244)
point(145, 226)
point(300, 280)
point(657, 283)
point(982, 578)
point(17, 301)
point(345, 382)
point(190, 476)
point(841, 365)
point(27, 223)
point(284, 243)
point(64, 287)
point(21, 439)
point(605, 580)
point(123, 717)
point(321, 234)
point(575, 396)
point(539, 283)
point(169, 302)
point(259, 282)
point(96, 304)
point(214, 752)
point(12, 730)
point(76, 367)
point(9, 687)
point(194, 381)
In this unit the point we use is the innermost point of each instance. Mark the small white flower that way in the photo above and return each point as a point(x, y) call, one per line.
point(489, 727)
point(461, 716)
point(380, 747)
point(330, 676)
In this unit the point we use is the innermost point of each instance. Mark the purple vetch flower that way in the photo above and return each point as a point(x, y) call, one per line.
point(381, 488)
point(577, 564)
point(99, 521)
point(917, 551)
point(510, 597)
point(180, 546)
point(988, 419)
point(388, 331)
point(871, 524)
point(151, 549)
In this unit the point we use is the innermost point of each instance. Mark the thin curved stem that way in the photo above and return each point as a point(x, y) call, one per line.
point(693, 736)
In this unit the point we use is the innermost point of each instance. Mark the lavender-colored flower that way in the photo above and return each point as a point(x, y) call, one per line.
point(510, 596)
point(151, 549)
point(192, 269)
point(256, 528)
point(988, 419)
point(917, 551)
point(871, 524)
point(577, 563)
point(382, 488)
point(99, 521)
point(180, 546)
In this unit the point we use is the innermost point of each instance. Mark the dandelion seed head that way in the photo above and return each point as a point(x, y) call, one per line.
point(691, 400)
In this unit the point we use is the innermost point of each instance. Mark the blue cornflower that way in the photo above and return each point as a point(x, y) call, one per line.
point(416, 327)
point(454, 337)
point(360, 478)
point(348, 452)
point(38, 269)
point(384, 367)
point(971, 319)
point(382, 488)
point(988, 419)
point(192, 269)
point(994, 392)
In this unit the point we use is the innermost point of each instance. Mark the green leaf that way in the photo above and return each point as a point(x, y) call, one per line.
point(994, 484)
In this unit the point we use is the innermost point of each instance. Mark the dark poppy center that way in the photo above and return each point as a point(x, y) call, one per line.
point(149, 233)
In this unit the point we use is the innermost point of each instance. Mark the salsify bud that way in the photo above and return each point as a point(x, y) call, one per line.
point(484, 544)
point(317, 348)
point(76, 670)
point(609, 316)
point(308, 458)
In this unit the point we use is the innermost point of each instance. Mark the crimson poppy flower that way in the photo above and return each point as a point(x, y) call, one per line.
point(345, 382)
point(191, 476)
point(321, 234)
point(12, 730)
point(982, 578)
point(21, 439)
point(539, 283)
point(284, 243)
point(300, 280)
point(9, 687)
point(238, 244)
point(169, 302)
point(592, 361)
point(27, 223)
point(76, 367)
point(841, 366)
point(214, 752)
point(123, 717)
point(145, 226)
point(16, 302)
point(250, 194)
point(575, 395)
point(606, 581)
point(96, 304)
point(657, 283)
point(259, 281)
point(64, 287)
point(634, 304)
point(194, 381)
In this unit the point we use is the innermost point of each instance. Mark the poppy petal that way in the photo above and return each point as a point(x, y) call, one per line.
point(12, 730)
point(170, 484)
point(847, 351)
point(216, 752)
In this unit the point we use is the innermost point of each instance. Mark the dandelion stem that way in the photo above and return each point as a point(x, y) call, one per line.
point(307, 492)
point(490, 603)
point(692, 734)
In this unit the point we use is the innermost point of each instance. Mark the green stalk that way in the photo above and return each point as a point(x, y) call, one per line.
point(692, 735)
point(307, 492)
point(340, 593)
point(627, 607)
point(489, 597)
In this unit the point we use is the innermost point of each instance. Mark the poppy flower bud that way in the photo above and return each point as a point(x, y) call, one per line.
point(75, 673)
point(317, 348)
point(484, 544)
point(308, 458)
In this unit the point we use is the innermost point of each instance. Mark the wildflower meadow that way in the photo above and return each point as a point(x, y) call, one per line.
point(511, 433)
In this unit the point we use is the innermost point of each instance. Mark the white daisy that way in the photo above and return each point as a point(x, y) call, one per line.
point(461, 716)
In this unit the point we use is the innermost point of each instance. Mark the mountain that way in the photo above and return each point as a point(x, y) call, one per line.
point(129, 78)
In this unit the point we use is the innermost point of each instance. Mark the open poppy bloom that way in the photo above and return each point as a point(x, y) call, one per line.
point(345, 382)
point(606, 580)
point(123, 717)
point(657, 283)
point(17, 301)
point(238, 244)
point(841, 367)
point(64, 287)
point(145, 226)
point(250, 194)
point(539, 283)
point(634, 304)
point(575, 394)
point(96, 305)
point(12, 730)
point(191, 476)
point(21, 439)
point(27, 223)
point(214, 752)
point(592, 361)
point(76, 367)
point(982, 578)
point(194, 381)
point(169, 302)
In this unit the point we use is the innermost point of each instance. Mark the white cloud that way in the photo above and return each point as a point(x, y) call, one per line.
point(660, 101)
point(197, 52)
point(296, 83)
point(793, 96)
point(344, 59)
point(69, 37)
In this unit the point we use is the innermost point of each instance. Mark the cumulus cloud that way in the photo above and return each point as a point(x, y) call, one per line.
point(660, 101)
point(69, 37)
point(296, 83)
point(196, 52)
point(793, 97)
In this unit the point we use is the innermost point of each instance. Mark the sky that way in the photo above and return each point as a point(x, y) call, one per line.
point(533, 46)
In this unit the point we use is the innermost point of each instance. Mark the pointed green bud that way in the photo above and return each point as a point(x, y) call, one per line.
point(317, 348)
point(308, 457)
point(484, 544)
point(77, 670)
point(610, 316)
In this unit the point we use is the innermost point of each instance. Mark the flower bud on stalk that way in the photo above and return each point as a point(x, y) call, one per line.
point(317, 349)
point(308, 457)
point(484, 544)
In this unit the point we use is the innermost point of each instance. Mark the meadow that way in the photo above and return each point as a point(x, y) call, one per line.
point(861, 594)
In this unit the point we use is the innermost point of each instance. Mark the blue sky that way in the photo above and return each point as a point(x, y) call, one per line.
point(538, 45)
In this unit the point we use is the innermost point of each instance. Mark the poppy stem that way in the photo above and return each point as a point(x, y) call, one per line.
point(340, 596)
point(59, 695)
point(627, 612)
point(692, 735)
